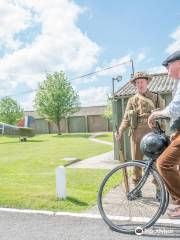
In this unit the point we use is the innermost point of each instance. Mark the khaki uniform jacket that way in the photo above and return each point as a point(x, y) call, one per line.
point(143, 105)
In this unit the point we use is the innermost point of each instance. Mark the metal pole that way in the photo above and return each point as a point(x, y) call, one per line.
point(113, 87)
point(118, 79)
point(132, 65)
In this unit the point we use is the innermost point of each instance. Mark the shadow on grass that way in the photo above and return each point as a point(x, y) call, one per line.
point(76, 201)
point(73, 135)
point(35, 140)
point(8, 142)
point(22, 142)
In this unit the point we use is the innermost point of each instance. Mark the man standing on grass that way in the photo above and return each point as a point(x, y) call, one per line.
point(138, 109)
point(168, 162)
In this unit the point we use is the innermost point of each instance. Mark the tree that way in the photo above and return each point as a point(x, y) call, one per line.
point(56, 98)
point(10, 111)
point(108, 111)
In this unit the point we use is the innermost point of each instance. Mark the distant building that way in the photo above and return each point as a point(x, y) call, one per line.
point(160, 83)
point(87, 119)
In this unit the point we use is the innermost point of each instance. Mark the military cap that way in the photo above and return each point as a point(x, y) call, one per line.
point(139, 75)
point(173, 57)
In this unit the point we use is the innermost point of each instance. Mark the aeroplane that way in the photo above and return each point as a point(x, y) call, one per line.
point(22, 130)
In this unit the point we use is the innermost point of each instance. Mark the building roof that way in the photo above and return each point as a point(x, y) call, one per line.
point(84, 111)
point(161, 83)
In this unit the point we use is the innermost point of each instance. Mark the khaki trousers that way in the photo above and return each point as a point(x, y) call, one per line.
point(136, 154)
point(168, 165)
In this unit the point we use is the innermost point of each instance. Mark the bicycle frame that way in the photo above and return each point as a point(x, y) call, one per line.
point(147, 165)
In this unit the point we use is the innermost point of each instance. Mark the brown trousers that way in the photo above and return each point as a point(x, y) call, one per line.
point(168, 165)
point(136, 154)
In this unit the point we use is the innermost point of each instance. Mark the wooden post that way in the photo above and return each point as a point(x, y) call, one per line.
point(123, 144)
point(124, 171)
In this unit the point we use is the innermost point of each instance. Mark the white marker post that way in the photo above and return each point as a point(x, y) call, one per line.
point(61, 182)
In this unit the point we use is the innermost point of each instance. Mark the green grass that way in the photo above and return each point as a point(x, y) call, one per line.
point(27, 172)
point(106, 137)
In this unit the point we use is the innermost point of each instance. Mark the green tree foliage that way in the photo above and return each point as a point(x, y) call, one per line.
point(56, 98)
point(10, 111)
point(108, 111)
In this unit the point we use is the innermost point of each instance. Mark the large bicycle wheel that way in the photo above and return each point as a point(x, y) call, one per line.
point(125, 215)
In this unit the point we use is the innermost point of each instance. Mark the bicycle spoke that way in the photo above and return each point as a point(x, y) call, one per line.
point(120, 212)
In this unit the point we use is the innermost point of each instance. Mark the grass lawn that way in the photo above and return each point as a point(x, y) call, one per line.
point(27, 172)
point(106, 137)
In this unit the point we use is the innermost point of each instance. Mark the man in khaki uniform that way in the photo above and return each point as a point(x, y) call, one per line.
point(138, 109)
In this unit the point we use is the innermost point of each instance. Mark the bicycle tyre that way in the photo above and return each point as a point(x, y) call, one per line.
point(152, 220)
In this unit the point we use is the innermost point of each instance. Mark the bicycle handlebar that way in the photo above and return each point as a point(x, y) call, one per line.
point(158, 127)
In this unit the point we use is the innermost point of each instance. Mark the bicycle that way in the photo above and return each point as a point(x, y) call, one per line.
point(118, 201)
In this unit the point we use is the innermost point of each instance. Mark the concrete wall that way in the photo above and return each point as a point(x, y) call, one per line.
point(96, 123)
point(41, 126)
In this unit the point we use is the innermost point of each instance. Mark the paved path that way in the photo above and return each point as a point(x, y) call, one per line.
point(93, 138)
point(102, 161)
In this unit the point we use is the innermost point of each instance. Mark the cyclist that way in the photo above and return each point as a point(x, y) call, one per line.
point(169, 161)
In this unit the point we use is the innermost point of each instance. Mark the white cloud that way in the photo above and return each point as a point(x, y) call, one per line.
point(109, 72)
point(13, 19)
point(84, 80)
point(94, 96)
point(141, 56)
point(157, 69)
point(59, 45)
point(175, 46)
point(118, 70)
point(28, 102)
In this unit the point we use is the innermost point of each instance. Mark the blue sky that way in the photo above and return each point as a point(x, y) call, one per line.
point(80, 36)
